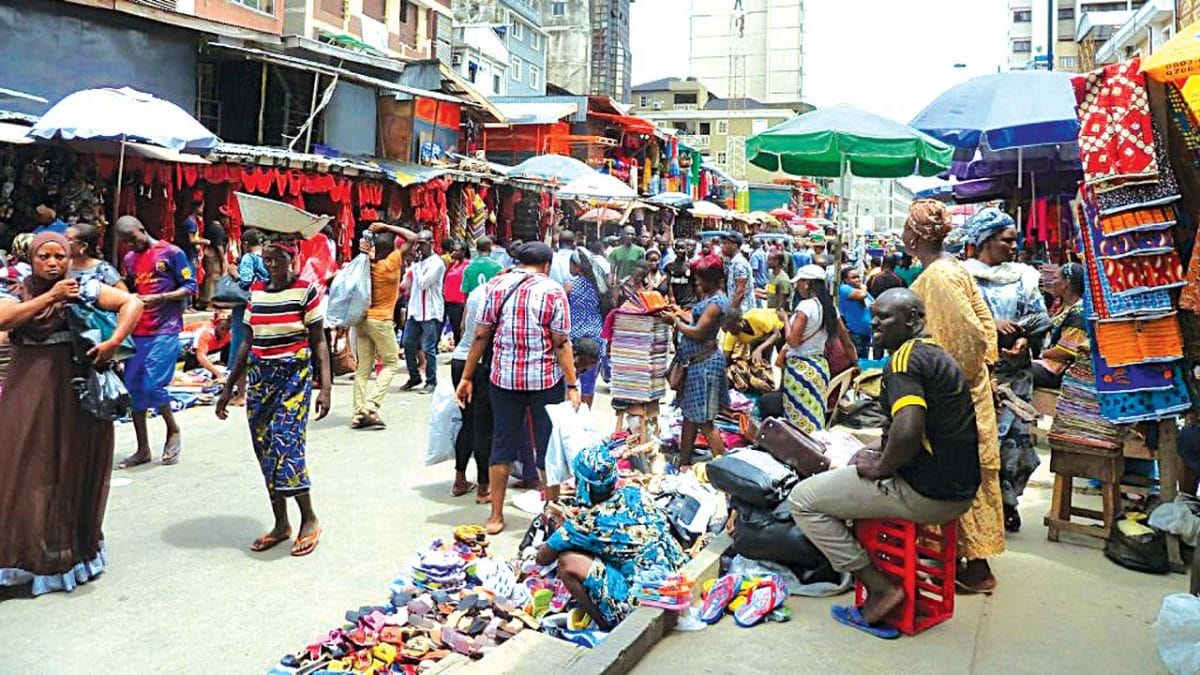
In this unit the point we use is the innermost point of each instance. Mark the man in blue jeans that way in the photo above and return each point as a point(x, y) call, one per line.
point(426, 310)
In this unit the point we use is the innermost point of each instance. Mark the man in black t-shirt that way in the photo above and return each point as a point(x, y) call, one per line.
point(683, 290)
point(928, 470)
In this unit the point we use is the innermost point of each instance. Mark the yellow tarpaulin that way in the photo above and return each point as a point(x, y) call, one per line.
point(1177, 59)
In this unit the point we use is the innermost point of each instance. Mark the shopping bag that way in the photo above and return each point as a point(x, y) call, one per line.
point(103, 395)
point(573, 431)
point(230, 293)
point(350, 293)
point(344, 359)
point(445, 420)
point(1177, 633)
point(90, 326)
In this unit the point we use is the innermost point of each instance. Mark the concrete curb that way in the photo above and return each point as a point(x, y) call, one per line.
point(537, 653)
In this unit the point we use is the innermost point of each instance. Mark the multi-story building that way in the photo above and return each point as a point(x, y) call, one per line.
point(480, 57)
point(403, 29)
point(749, 48)
point(1144, 31)
point(717, 127)
point(588, 46)
point(518, 24)
point(882, 204)
point(1187, 12)
point(1068, 40)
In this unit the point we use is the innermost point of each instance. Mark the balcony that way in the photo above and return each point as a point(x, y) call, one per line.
point(1157, 15)
point(1100, 25)
point(695, 141)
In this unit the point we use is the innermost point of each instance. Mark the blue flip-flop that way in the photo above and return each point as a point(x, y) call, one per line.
point(850, 616)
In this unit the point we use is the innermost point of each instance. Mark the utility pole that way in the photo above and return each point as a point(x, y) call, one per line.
point(1051, 25)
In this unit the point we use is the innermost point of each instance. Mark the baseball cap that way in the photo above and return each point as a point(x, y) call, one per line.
point(810, 272)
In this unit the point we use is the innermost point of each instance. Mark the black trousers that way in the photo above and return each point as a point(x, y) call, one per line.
point(454, 314)
point(475, 437)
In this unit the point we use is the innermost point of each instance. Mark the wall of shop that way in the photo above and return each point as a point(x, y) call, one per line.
point(54, 49)
point(350, 120)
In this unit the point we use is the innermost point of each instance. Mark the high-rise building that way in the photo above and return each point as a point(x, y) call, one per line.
point(1068, 40)
point(588, 46)
point(517, 26)
point(749, 48)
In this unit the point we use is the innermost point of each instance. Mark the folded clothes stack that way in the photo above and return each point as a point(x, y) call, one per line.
point(639, 355)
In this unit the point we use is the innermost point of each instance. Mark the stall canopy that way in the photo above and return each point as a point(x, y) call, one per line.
point(843, 139)
point(536, 113)
point(597, 187)
point(637, 125)
point(555, 168)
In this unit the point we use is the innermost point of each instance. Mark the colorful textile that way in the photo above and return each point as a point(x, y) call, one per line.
point(1135, 243)
point(1185, 121)
point(150, 370)
point(1143, 406)
point(626, 534)
point(1122, 343)
point(1077, 422)
point(278, 393)
point(1010, 289)
point(584, 301)
point(1129, 197)
point(106, 273)
point(1150, 218)
point(1099, 301)
point(523, 356)
point(1137, 274)
point(1133, 377)
point(805, 380)
point(162, 268)
point(1116, 141)
point(280, 319)
point(705, 390)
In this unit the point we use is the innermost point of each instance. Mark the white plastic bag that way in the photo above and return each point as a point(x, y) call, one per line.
point(445, 420)
point(1175, 517)
point(1177, 633)
point(573, 431)
point(349, 293)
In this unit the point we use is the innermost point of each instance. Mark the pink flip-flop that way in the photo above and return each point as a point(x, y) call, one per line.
point(719, 596)
point(769, 594)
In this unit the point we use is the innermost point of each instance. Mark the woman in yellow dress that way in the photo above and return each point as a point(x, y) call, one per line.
point(958, 319)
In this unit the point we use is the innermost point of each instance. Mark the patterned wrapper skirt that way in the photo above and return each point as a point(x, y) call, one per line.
point(805, 379)
point(278, 395)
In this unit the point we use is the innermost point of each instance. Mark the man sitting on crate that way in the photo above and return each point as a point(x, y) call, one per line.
point(927, 472)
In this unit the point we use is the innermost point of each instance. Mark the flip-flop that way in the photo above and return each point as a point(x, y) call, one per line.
point(129, 462)
point(266, 542)
point(763, 600)
point(172, 450)
point(851, 616)
point(307, 543)
point(719, 596)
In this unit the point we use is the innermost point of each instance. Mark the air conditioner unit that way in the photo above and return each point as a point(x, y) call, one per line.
point(657, 105)
point(456, 60)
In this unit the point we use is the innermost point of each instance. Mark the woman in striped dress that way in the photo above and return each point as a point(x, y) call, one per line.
point(806, 372)
point(285, 333)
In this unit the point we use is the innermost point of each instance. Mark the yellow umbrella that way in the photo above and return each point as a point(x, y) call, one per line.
point(1177, 59)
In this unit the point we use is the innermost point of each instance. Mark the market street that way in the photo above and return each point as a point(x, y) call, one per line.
point(184, 594)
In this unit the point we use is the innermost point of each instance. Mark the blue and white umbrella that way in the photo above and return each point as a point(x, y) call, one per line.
point(123, 115)
point(553, 168)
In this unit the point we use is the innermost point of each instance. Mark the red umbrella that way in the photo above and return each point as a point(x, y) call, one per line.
point(783, 213)
point(601, 215)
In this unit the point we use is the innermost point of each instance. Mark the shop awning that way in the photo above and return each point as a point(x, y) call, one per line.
point(536, 113)
point(16, 134)
point(637, 125)
point(145, 150)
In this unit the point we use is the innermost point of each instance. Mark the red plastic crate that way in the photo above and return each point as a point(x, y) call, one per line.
point(921, 559)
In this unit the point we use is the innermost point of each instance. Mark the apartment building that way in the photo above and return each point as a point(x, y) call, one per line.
point(749, 48)
point(1144, 31)
point(518, 26)
point(1070, 39)
point(588, 46)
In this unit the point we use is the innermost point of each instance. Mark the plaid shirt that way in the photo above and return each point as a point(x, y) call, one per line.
point(523, 356)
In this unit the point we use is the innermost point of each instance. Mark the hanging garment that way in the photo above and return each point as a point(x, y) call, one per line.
point(1185, 122)
point(1145, 406)
point(1127, 197)
point(1122, 343)
point(1133, 377)
point(1116, 138)
point(1100, 303)
point(1152, 218)
point(1140, 273)
point(1136, 243)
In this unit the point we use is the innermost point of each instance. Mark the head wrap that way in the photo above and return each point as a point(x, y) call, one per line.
point(48, 237)
point(983, 225)
point(1073, 273)
point(53, 317)
point(20, 246)
point(534, 253)
point(288, 245)
point(928, 220)
point(595, 474)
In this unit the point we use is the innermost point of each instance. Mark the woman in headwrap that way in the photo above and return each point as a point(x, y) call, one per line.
point(85, 257)
point(1019, 311)
point(958, 318)
point(1068, 328)
point(55, 467)
point(285, 334)
point(584, 290)
point(603, 546)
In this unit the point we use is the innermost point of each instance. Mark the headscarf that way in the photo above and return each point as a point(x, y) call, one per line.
point(1073, 273)
point(20, 246)
point(583, 260)
point(983, 225)
point(289, 246)
point(928, 220)
point(595, 474)
point(51, 318)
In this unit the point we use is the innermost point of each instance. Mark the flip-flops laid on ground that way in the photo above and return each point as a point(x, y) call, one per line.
point(719, 596)
point(851, 616)
point(769, 595)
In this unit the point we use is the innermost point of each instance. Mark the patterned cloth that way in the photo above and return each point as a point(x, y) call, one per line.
point(1116, 140)
point(1122, 343)
point(1143, 406)
point(705, 390)
point(162, 268)
point(1135, 243)
point(739, 268)
point(1129, 197)
point(627, 534)
point(106, 273)
point(280, 319)
point(805, 380)
point(523, 357)
point(1140, 220)
point(1099, 301)
point(278, 394)
point(1141, 273)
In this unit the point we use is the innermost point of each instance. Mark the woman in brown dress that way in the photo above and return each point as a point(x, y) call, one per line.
point(57, 459)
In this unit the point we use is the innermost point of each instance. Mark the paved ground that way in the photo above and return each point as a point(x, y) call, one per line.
point(183, 594)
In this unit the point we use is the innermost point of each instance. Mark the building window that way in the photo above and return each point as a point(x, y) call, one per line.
point(685, 99)
point(643, 101)
point(518, 30)
point(375, 9)
point(721, 158)
point(514, 69)
point(472, 70)
point(722, 127)
point(535, 77)
point(705, 128)
point(1068, 62)
point(535, 41)
point(1066, 13)
point(1022, 16)
point(403, 11)
point(1022, 46)
point(558, 8)
point(264, 6)
point(497, 84)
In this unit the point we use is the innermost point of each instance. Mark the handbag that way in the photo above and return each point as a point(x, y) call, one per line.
point(840, 352)
point(793, 447)
point(344, 360)
point(230, 293)
point(91, 326)
point(677, 371)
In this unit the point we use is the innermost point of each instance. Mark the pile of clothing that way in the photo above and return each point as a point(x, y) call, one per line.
point(640, 343)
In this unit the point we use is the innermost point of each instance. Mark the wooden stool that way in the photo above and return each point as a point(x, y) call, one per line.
point(1106, 466)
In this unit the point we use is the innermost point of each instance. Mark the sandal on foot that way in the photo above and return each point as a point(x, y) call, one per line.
point(172, 450)
point(267, 541)
point(307, 543)
point(719, 596)
point(132, 461)
point(851, 616)
point(460, 490)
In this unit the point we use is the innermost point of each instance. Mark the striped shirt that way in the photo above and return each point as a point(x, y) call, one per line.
point(280, 319)
point(523, 357)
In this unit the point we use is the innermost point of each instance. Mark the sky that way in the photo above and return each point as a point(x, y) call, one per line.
point(894, 64)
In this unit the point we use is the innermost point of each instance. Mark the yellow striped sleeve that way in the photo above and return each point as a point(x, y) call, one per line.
point(900, 358)
point(905, 401)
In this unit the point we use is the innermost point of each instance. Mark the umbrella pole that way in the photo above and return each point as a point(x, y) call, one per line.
point(116, 206)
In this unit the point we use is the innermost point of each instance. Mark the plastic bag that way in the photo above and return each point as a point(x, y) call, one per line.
point(1177, 518)
point(752, 476)
point(772, 535)
point(812, 588)
point(1137, 547)
point(103, 395)
point(350, 293)
point(573, 431)
point(1177, 633)
point(445, 420)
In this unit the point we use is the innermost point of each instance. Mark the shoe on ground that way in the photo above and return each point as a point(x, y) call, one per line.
point(428, 389)
point(411, 384)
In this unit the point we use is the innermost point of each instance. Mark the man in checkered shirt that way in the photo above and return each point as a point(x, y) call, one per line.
point(526, 322)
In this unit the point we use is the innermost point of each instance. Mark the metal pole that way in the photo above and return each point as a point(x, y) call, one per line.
point(262, 102)
point(1051, 25)
point(312, 111)
point(117, 198)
